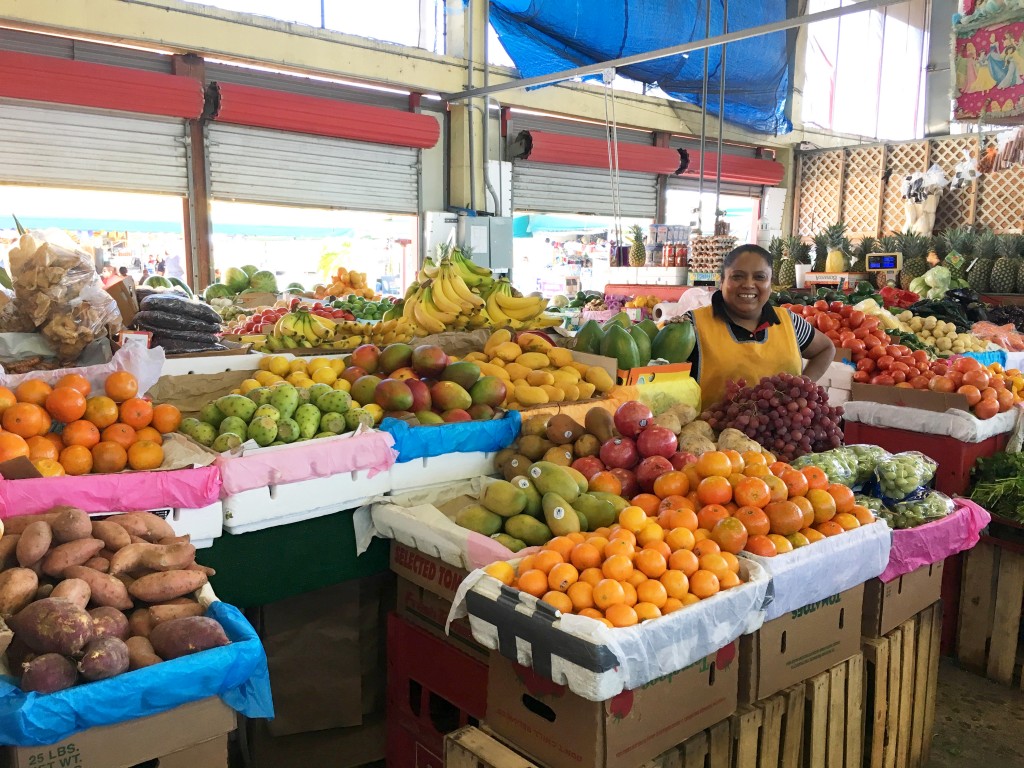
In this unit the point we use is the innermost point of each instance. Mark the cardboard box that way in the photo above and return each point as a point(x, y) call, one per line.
point(253, 300)
point(337, 747)
point(123, 294)
point(209, 754)
point(434, 575)
point(424, 609)
point(135, 741)
point(886, 606)
point(648, 374)
point(922, 399)
point(561, 729)
point(792, 648)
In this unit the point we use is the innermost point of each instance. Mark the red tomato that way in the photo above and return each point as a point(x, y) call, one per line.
point(856, 345)
point(836, 306)
point(871, 323)
point(956, 377)
point(919, 382)
point(939, 369)
point(865, 364)
point(861, 377)
point(920, 355)
point(898, 376)
point(899, 365)
point(885, 361)
point(941, 384)
point(855, 318)
point(824, 323)
point(846, 310)
point(871, 342)
point(883, 379)
point(876, 352)
point(986, 408)
point(835, 338)
point(976, 378)
point(821, 304)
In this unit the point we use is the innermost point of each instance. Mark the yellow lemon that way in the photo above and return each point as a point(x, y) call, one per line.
point(265, 363)
point(337, 365)
point(343, 385)
point(279, 365)
point(249, 385)
point(297, 365)
point(236, 392)
point(48, 467)
point(265, 378)
point(297, 377)
point(316, 364)
point(502, 571)
point(273, 378)
point(324, 375)
point(375, 411)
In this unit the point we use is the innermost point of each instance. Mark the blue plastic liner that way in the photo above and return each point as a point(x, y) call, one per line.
point(989, 357)
point(236, 672)
point(460, 437)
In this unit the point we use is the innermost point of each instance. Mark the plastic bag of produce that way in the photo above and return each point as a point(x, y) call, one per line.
point(839, 468)
point(865, 458)
point(903, 473)
point(876, 505)
point(922, 506)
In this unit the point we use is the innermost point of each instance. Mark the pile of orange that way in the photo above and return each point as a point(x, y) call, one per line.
point(66, 430)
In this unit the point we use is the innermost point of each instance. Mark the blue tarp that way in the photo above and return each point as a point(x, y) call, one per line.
point(546, 36)
point(528, 225)
point(236, 672)
point(462, 437)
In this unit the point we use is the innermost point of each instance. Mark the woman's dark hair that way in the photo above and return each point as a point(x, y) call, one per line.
point(735, 253)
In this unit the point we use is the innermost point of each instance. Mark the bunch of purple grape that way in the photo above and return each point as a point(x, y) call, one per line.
point(788, 415)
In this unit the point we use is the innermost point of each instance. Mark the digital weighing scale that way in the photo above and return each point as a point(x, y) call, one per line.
point(888, 264)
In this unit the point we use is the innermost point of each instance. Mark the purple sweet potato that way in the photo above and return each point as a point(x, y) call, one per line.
point(109, 622)
point(141, 653)
point(104, 657)
point(181, 637)
point(17, 589)
point(48, 673)
point(70, 524)
point(53, 625)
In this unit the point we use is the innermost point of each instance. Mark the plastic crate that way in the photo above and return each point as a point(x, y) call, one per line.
point(433, 689)
point(434, 470)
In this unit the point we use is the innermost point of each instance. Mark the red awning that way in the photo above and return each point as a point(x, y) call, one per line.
point(264, 108)
point(735, 169)
point(63, 81)
point(543, 147)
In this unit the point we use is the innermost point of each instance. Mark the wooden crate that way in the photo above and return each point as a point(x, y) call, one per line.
point(901, 674)
point(834, 716)
point(990, 609)
point(470, 747)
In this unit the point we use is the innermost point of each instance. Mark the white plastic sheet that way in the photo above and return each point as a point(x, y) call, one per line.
point(953, 423)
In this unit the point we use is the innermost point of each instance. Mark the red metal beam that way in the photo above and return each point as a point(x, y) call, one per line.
point(263, 108)
point(544, 147)
point(60, 81)
point(735, 169)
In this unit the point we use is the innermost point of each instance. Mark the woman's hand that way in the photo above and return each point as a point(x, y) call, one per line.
point(819, 355)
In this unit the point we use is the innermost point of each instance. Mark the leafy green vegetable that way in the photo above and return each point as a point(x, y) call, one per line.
point(999, 485)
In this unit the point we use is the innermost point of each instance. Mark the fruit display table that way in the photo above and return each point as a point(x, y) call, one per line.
point(663, 292)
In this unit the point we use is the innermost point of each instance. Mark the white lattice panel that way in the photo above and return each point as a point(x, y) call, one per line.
point(1001, 199)
point(901, 161)
point(820, 190)
point(861, 190)
point(954, 206)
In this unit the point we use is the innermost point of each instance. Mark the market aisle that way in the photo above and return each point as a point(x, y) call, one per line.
point(971, 721)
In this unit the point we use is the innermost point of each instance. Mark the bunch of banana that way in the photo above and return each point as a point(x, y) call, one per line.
point(301, 329)
point(518, 312)
point(350, 334)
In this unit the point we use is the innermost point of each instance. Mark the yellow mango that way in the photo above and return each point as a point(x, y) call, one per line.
point(581, 367)
point(497, 338)
point(531, 342)
point(568, 369)
point(586, 390)
point(563, 380)
point(487, 369)
point(572, 392)
point(559, 356)
point(539, 378)
point(555, 395)
point(498, 362)
point(527, 395)
point(533, 360)
point(476, 357)
point(508, 351)
point(517, 372)
point(599, 378)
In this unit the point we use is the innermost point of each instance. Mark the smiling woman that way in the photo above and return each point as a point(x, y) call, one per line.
point(741, 336)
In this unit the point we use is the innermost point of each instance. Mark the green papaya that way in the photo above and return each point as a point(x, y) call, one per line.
point(643, 344)
point(649, 327)
point(619, 344)
point(622, 320)
point(588, 338)
point(674, 342)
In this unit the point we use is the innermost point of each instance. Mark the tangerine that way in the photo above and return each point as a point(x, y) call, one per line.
point(730, 534)
point(636, 579)
point(684, 561)
point(48, 467)
point(81, 432)
point(25, 420)
point(633, 518)
point(563, 545)
point(545, 560)
point(711, 514)
point(847, 521)
point(683, 518)
point(706, 547)
point(121, 434)
point(778, 490)
point(729, 580)
point(42, 448)
point(76, 460)
point(661, 547)
point(652, 591)
point(761, 546)
point(843, 496)
point(673, 483)
point(75, 381)
point(7, 399)
point(65, 404)
point(784, 517)
point(618, 567)
point(136, 412)
point(752, 492)
point(754, 520)
point(671, 606)
point(670, 503)
point(864, 515)
point(824, 504)
point(591, 576)
point(676, 583)
point(630, 592)
point(647, 611)
point(753, 457)
point(795, 481)
point(798, 540)
point(591, 613)
point(650, 563)
point(562, 576)
point(33, 391)
point(606, 482)
point(101, 411)
point(121, 386)
point(108, 456)
point(715, 563)
point(619, 547)
point(148, 433)
point(714, 464)
point(782, 544)
point(812, 535)
point(608, 592)
point(704, 584)
point(585, 556)
point(651, 534)
point(680, 538)
point(806, 507)
point(621, 615)
point(648, 502)
point(12, 446)
point(757, 470)
point(714, 490)
point(533, 582)
point(582, 595)
point(732, 560)
point(559, 600)
point(735, 459)
point(166, 418)
point(816, 478)
point(502, 571)
point(145, 454)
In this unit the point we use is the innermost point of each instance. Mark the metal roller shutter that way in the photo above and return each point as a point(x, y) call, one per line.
point(692, 146)
point(91, 149)
point(263, 166)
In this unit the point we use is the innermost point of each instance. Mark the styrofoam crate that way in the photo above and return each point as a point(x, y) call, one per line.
point(293, 502)
point(434, 470)
point(838, 396)
point(201, 525)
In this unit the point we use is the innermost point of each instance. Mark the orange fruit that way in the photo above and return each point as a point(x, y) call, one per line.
point(651, 563)
point(761, 545)
point(166, 418)
point(560, 600)
point(647, 611)
point(753, 457)
point(630, 592)
point(683, 518)
point(671, 606)
point(782, 544)
point(12, 446)
point(652, 591)
point(778, 467)
point(24, 419)
point(795, 481)
point(65, 404)
point(608, 592)
point(621, 533)
point(672, 484)
point(33, 391)
point(785, 517)
point(621, 616)
point(660, 547)
point(75, 381)
point(672, 503)
point(715, 563)
point(689, 599)
point(121, 386)
point(728, 580)
point(732, 560)
point(636, 578)
point(585, 556)
point(48, 467)
point(502, 571)
point(619, 547)
point(81, 433)
point(843, 496)
point(823, 503)
point(76, 460)
point(591, 576)
point(816, 478)
point(101, 411)
point(735, 479)
point(754, 520)
point(701, 534)
point(704, 584)
point(121, 434)
point(108, 456)
point(711, 514)
point(676, 583)
point(680, 538)
point(864, 515)
point(651, 534)
point(648, 502)
point(7, 399)
point(136, 412)
point(591, 613)
point(714, 490)
point(42, 448)
point(581, 594)
point(563, 545)
point(605, 482)
point(618, 567)
point(847, 521)
point(562, 576)
point(545, 560)
point(145, 454)
point(735, 459)
point(730, 534)
point(752, 492)
point(706, 547)
point(812, 535)
point(714, 464)
point(757, 470)
point(690, 470)
point(533, 582)
point(150, 434)
point(633, 519)
point(778, 490)
point(685, 561)
point(806, 507)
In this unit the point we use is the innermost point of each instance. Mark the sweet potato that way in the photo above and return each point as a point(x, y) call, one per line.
point(34, 543)
point(109, 622)
point(104, 657)
point(98, 563)
point(210, 572)
point(43, 590)
point(18, 654)
point(181, 637)
point(141, 653)
point(63, 556)
point(48, 673)
point(161, 613)
point(186, 539)
point(53, 625)
point(140, 623)
point(163, 586)
point(125, 579)
point(106, 589)
point(8, 547)
point(113, 536)
point(21, 522)
point(17, 589)
point(145, 525)
point(155, 557)
point(70, 524)
point(76, 590)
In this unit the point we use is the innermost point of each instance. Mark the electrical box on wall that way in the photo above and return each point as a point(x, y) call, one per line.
point(488, 239)
point(440, 227)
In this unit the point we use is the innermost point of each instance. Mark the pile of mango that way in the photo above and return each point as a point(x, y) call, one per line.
point(537, 372)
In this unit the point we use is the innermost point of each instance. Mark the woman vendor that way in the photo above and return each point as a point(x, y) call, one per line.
point(741, 336)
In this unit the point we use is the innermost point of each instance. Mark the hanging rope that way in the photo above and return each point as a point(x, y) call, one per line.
point(612, 134)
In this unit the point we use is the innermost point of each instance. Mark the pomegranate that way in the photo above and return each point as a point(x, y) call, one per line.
point(657, 441)
point(632, 418)
point(620, 452)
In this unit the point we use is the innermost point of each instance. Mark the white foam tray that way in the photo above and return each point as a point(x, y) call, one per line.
point(294, 502)
point(434, 470)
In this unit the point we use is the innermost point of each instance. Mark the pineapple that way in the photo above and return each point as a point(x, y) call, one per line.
point(787, 264)
point(1019, 246)
point(915, 252)
point(837, 246)
point(859, 262)
point(1004, 271)
point(777, 249)
point(959, 245)
point(821, 240)
point(979, 274)
point(637, 251)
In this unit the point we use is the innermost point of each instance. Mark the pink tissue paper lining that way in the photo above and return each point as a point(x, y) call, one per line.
point(930, 543)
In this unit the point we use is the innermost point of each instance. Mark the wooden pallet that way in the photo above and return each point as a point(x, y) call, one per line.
point(902, 671)
point(834, 717)
point(470, 747)
point(990, 610)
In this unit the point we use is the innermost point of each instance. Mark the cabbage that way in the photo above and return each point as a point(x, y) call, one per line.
point(937, 277)
point(560, 301)
point(918, 286)
point(936, 293)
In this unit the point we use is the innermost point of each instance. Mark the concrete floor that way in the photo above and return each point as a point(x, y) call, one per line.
point(978, 723)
